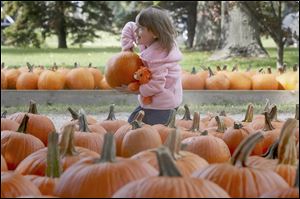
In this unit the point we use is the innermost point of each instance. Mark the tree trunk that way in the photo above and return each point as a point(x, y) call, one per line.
point(60, 26)
point(239, 34)
point(208, 25)
point(191, 22)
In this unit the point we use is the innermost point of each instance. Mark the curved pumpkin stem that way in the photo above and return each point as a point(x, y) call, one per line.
point(139, 116)
point(193, 70)
point(249, 113)
point(74, 115)
point(211, 73)
point(67, 147)
point(173, 142)
point(23, 126)
point(187, 113)
point(268, 124)
point(196, 122)
point(171, 122)
point(166, 164)
point(267, 106)
point(221, 126)
point(222, 113)
point(240, 155)
point(287, 153)
point(273, 113)
point(272, 152)
point(111, 115)
point(53, 168)
point(32, 107)
point(83, 124)
point(109, 149)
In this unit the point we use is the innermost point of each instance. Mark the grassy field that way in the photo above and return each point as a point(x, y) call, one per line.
point(102, 49)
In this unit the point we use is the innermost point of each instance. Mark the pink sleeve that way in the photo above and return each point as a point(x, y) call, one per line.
point(128, 36)
point(157, 82)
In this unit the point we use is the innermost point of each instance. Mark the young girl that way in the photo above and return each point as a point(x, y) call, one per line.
point(154, 34)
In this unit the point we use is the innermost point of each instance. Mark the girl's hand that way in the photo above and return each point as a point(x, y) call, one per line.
point(124, 89)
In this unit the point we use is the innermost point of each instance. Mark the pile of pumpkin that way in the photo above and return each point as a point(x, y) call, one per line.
point(121, 67)
point(213, 156)
point(57, 78)
point(222, 79)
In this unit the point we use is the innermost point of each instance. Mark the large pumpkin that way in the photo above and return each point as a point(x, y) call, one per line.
point(121, 67)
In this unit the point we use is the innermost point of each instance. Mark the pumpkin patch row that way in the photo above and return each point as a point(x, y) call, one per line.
point(58, 78)
point(214, 156)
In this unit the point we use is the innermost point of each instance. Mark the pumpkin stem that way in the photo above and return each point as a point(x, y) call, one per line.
point(237, 125)
point(166, 164)
point(193, 70)
point(23, 126)
point(218, 68)
point(83, 124)
point(272, 152)
point(187, 113)
point(32, 107)
point(74, 115)
point(173, 142)
point(67, 147)
point(235, 68)
point(297, 112)
point(135, 124)
point(111, 115)
point(171, 122)
point(225, 67)
point(30, 67)
point(109, 149)
point(204, 133)
point(268, 124)
point(267, 106)
point(196, 122)
point(295, 67)
point(3, 115)
point(211, 73)
point(53, 168)
point(2, 65)
point(221, 126)
point(287, 153)
point(240, 155)
point(222, 113)
point(273, 113)
point(249, 113)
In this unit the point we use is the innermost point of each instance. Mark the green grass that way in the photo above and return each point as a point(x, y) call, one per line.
point(102, 49)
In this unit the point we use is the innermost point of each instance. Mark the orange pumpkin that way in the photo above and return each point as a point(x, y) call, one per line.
point(185, 161)
point(12, 75)
point(51, 80)
point(141, 137)
point(101, 177)
point(211, 148)
point(264, 82)
point(121, 67)
point(35, 164)
point(192, 81)
point(38, 125)
point(14, 185)
point(186, 121)
point(27, 80)
point(170, 184)
point(217, 81)
point(3, 80)
point(7, 124)
point(238, 179)
point(80, 78)
point(3, 164)
point(97, 74)
point(10, 139)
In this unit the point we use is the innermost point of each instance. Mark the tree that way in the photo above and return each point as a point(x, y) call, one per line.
point(269, 15)
point(208, 28)
point(77, 19)
point(240, 34)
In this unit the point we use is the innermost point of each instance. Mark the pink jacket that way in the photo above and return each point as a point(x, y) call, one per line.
point(165, 86)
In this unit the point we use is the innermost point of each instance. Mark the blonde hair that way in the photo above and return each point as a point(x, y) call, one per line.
point(158, 21)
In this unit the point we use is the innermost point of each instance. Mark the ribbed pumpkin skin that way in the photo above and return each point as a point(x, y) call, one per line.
point(12, 153)
point(38, 125)
point(88, 179)
point(289, 192)
point(121, 67)
point(7, 124)
point(35, 164)
point(264, 82)
point(27, 81)
point(171, 187)
point(80, 78)
point(242, 182)
point(50, 80)
point(45, 184)
point(14, 185)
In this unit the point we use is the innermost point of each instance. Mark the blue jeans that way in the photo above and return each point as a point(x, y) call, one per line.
point(152, 116)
